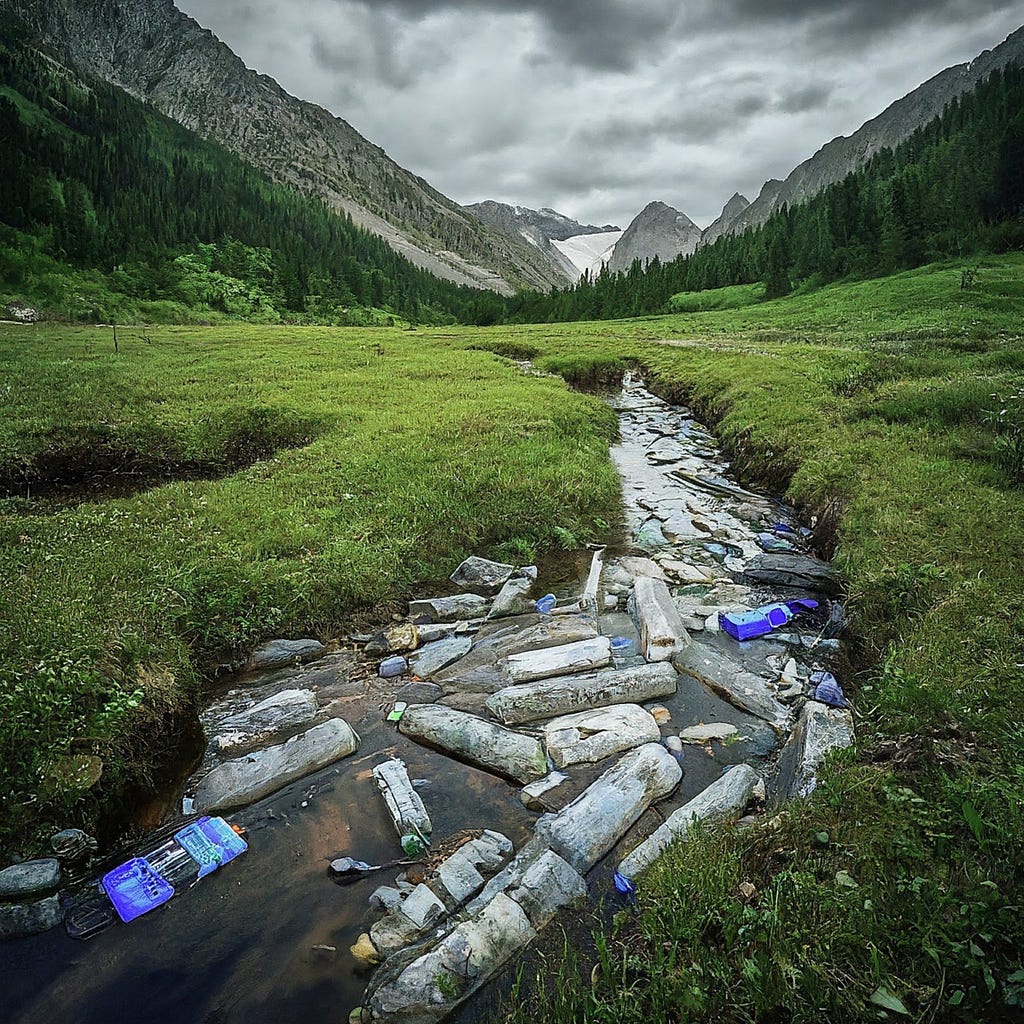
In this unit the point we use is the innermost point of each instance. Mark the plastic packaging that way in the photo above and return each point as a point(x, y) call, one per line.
point(413, 845)
point(395, 715)
point(828, 690)
point(760, 621)
point(545, 604)
point(211, 843)
point(135, 888)
point(621, 644)
point(391, 667)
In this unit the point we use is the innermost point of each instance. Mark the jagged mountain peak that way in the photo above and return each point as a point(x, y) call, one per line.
point(657, 230)
point(732, 209)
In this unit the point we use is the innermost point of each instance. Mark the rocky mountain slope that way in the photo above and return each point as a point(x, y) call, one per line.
point(896, 123)
point(540, 228)
point(658, 230)
point(158, 54)
point(727, 217)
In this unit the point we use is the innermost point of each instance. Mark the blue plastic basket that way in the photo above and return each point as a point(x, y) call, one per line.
point(135, 888)
point(210, 842)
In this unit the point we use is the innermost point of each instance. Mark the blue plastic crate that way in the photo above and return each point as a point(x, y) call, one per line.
point(210, 842)
point(135, 888)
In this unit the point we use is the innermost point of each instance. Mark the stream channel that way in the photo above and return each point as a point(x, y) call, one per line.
point(266, 938)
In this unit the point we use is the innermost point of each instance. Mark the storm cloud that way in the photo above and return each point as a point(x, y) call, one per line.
point(597, 107)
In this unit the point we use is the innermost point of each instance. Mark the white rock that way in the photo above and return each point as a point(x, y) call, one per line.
point(403, 802)
point(476, 741)
point(706, 733)
point(582, 656)
point(247, 779)
point(550, 697)
point(819, 730)
point(422, 907)
point(532, 795)
point(723, 800)
point(585, 830)
point(662, 633)
point(590, 736)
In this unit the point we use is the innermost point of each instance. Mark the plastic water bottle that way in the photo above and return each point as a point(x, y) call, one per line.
point(545, 604)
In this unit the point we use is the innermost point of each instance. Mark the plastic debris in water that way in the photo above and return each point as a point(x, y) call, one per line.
point(413, 845)
point(545, 604)
point(621, 643)
point(395, 715)
point(624, 885)
point(828, 690)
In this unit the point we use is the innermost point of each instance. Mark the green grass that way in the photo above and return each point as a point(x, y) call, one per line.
point(733, 297)
point(391, 457)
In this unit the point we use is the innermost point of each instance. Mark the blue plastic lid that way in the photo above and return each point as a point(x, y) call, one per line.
point(135, 888)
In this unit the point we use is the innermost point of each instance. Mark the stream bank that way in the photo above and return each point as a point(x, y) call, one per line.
point(268, 938)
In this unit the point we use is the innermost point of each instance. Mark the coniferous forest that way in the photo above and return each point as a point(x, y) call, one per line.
point(955, 188)
point(110, 209)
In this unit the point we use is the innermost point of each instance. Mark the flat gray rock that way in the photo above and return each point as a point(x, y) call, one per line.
point(247, 779)
point(482, 670)
point(476, 741)
point(450, 609)
point(420, 693)
point(288, 709)
point(32, 878)
point(439, 655)
point(284, 652)
point(820, 730)
point(482, 575)
point(564, 694)
point(581, 656)
point(18, 920)
point(733, 683)
point(590, 736)
point(515, 598)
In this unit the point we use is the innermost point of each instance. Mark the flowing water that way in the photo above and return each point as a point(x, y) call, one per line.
point(266, 939)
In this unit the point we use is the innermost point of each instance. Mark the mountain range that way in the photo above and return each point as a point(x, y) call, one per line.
point(160, 55)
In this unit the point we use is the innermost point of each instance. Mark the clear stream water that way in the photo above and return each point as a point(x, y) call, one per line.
point(247, 944)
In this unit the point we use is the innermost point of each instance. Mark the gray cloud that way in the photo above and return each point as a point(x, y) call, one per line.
point(596, 107)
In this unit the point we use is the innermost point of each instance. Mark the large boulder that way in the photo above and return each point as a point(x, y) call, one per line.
point(31, 878)
point(450, 609)
point(434, 657)
point(585, 830)
point(733, 683)
point(785, 569)
point(18, 920)
point(819, 730)
point(482, 575)
point(662, 633)
point(582, 656)
point(247, 779)
point(288, 709)
point(284, 652)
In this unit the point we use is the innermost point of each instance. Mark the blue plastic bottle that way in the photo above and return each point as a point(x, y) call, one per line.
point(545, 604)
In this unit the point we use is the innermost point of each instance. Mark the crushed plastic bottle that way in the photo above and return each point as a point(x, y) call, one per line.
point(828, 690)
point(620, 644)
point(545, 604)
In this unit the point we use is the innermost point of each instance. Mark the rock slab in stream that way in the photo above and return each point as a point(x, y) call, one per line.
point(723, 800)
point(481, 574)
point(247, 779)
point(285, 710)
point(284, 652)
point(590, 736)
point(18, 920)
point(562, 695)
point(32, 878)
point(585, 830)
point(476, 741)
point(439, 655)
point(515, 598)
point(582, 656)
point(733, 683)
point(450, 609)
point(819, 731)
point(483, 669)
point(662, 633)
point(792, 570)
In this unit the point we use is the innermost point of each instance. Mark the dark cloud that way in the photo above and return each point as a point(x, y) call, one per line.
point(603, 34)
point(596, 107)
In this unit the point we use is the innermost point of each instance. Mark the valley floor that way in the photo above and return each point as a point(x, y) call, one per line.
point(171, 503)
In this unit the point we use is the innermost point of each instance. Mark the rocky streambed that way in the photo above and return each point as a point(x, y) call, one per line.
point(530, 755)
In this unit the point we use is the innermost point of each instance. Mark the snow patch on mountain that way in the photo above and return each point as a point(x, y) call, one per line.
point(588, 252)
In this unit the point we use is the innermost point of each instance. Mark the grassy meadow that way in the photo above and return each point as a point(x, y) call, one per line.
point(323, 471)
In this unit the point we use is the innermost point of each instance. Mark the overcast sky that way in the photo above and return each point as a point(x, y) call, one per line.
point(597, 107)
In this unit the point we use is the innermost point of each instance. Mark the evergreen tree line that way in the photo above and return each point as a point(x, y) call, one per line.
point(955, 188)
point(95, 180)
